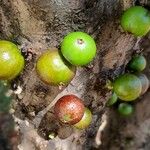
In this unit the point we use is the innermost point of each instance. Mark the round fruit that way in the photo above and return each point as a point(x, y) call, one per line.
point(78, 48)
point(138, 63)
point(53, 69)
point(85, 121)
point(69, 109)
point(112, 100)
point(125, 109)
point(11, 60)
point(136, 20)
point(144, 81)
point(127, 87)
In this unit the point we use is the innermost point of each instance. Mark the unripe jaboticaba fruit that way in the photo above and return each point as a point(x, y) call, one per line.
point(125, 109)
point(11, 60)
point(112, 100)
point(78, 48)
point(144, 81)
point(85, 121)
point(137, 63)
point(69, 109)
point(128, 87)
point(53, 69)
point(136, 20)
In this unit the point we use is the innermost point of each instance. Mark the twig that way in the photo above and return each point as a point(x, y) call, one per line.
point(137, 46)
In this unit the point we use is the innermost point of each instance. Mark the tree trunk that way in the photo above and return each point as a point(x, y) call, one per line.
point(37, 25)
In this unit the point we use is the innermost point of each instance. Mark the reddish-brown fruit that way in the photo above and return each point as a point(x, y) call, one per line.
point(69, 109)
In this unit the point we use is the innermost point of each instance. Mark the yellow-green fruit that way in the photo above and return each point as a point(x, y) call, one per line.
point(128, 87)
point(85, 121)
point(53, 69)
point(11, 60)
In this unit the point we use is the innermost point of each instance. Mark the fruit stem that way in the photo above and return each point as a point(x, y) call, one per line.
point(109, 85)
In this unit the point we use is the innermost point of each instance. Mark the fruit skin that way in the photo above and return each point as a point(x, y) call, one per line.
point(69, 109)
point(78, 48)
point(128, 87)
point(137, 63)
point(85, 121)
point(136, 20)
point(113, 99)
point(144, 81)
point(11, 60)
point(53, 69)
point(125, 109)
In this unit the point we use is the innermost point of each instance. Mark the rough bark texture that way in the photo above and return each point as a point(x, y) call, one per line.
point(36, 25)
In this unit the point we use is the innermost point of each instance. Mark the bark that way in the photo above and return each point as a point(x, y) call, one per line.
point(36, 25)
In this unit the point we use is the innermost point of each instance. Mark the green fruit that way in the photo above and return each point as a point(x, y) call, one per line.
point(112, 100)
point(11, 60)
point(137, 63)
point(78, 48)
point(144, 81)
point(136, 20)
point(128, 87)
point(85, 121)
point(53, 69)
point(125, 109)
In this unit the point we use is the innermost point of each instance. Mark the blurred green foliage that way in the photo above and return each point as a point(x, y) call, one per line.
point(5, 96)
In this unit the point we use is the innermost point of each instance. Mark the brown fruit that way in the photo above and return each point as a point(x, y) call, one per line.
point(69, 109)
